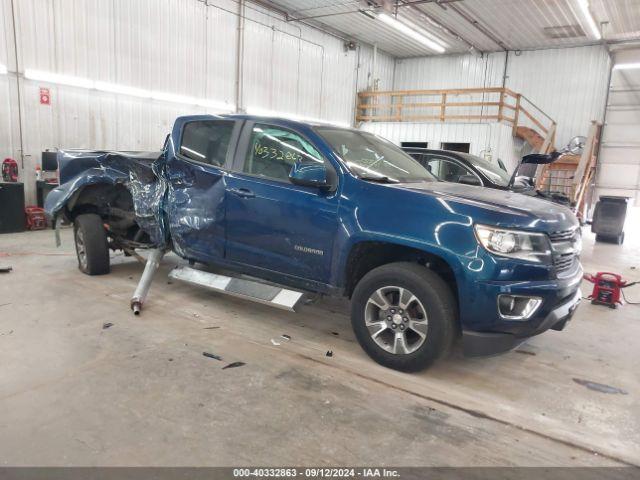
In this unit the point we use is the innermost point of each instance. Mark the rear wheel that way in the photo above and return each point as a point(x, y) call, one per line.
point(92, 247)
point(403, 316)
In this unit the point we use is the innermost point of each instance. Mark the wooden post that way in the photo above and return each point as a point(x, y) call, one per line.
point(547, 146)
point(500, 106)
point(443, 106)
point(398, 108)
point(586, 160)
point(516, 115)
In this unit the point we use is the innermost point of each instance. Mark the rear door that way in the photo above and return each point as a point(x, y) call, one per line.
point(272, 223)
point(203, 150)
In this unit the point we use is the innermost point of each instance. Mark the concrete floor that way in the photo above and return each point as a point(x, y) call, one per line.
point(142, 393)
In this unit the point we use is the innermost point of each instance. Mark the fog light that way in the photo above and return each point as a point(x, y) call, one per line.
point(517, 307)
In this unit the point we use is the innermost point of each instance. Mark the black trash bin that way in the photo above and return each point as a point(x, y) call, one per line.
point(12, 217)
point(608, 219)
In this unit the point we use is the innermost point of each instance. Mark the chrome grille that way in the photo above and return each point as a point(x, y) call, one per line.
point(565, 249)
point(563, 262)
point(562, 236)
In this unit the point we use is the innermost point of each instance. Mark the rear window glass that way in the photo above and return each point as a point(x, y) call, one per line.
point(207, 141)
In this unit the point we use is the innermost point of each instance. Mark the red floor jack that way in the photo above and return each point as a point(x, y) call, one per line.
point(607, 288)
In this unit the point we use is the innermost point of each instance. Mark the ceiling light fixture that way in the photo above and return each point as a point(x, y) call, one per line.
point(3, 69)
point(79, 82)
point(261, 112)
point(626, 66)
point(437, 40)
point(409, 32)
point(584, 7)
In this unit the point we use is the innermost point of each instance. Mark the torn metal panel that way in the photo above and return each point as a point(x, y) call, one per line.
point(136, 171)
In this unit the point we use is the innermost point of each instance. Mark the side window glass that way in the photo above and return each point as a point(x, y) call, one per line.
point(207, 141)
point(433, 165)
point(448, 170)
point(274, 150)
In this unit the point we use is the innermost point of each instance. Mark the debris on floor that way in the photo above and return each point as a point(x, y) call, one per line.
point(5, 269)
point(212, 355)
point(284, 337)
point(600, 387)
point(335, 334)
point(234, 365)
point(526, 352)
point(210, 328)
point(329, 353)
point(107, 325)
point(8, 333)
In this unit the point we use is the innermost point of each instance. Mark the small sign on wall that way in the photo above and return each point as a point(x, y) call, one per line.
point(45, 96)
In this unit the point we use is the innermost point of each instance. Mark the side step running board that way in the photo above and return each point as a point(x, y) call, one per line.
point(278, 297)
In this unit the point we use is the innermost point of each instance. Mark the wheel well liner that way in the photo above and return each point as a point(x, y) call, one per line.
point(100, 198)
point(365, 256)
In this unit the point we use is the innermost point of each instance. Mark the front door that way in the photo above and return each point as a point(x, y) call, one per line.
point(272, 223)
point(196, 172)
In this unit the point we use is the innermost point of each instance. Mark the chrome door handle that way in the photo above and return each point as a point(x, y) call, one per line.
point(242, 192)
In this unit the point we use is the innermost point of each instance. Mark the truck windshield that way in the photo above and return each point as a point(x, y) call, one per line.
point(372, 158)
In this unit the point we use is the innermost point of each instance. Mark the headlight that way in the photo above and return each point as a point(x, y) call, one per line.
point(534, 247)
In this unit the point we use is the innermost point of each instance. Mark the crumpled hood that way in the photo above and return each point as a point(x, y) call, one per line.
point(535, 213)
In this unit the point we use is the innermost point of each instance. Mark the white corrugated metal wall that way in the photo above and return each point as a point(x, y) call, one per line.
point(568, 84)
point(619, 161)
point(486, 140)
point(451, 71)
point(178, 47)
point(9, 134)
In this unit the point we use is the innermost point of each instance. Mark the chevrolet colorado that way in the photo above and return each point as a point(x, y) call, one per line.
point(339, 212)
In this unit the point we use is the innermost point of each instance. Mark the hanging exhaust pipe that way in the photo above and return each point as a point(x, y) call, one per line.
point(140, 295)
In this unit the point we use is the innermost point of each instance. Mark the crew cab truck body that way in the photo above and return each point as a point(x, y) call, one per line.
point(338, 212)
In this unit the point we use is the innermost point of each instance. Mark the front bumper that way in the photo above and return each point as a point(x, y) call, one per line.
point(491, 343)
point(484, 332)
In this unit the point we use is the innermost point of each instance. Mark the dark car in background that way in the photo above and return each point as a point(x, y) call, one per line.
point(461, 167)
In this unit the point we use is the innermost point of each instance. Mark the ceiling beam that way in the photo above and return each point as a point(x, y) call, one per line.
point(478, 26)
point(447, 30)
point(440, 3)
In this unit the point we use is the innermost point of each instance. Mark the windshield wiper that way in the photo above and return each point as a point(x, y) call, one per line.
point(382, 179)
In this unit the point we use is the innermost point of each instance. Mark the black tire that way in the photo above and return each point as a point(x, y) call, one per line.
point(433, 294)
point(92, 247)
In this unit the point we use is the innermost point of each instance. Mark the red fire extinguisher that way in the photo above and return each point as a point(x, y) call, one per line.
point(10, 170)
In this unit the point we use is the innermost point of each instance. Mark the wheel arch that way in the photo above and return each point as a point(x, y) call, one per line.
point(366, 255)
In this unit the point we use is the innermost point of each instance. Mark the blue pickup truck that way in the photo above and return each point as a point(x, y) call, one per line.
point(335, 211)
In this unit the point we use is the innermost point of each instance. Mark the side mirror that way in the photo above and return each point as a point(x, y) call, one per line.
point(470, 180)
point(309, 174)
point(576, 145)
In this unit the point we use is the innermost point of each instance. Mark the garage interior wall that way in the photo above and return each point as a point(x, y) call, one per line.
point(568, 84)
point(619, 162)
point(177, 47)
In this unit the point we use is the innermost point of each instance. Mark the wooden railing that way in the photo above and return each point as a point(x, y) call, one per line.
point(470, 105)
point(571, 174)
